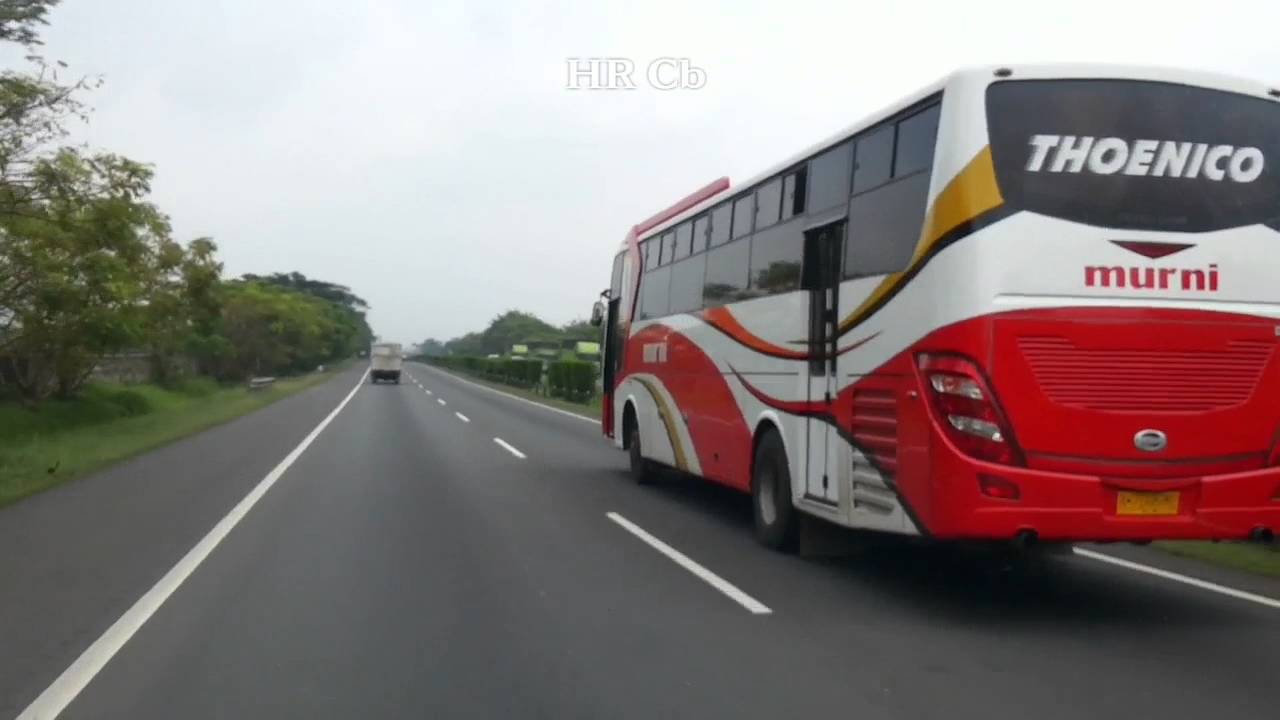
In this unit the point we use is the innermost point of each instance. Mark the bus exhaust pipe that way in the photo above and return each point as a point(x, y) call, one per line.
point(1025, 540)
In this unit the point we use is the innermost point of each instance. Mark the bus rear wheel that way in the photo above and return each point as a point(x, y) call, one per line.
point(641, 469)
point(776, 521)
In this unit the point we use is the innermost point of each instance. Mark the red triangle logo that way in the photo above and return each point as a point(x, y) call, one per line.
point(1153, 250)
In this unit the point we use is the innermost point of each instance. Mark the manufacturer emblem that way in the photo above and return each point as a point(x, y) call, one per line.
point(1150, 440)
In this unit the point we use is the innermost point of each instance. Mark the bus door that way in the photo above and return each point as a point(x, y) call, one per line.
point(608, 313)
point(611, 360)
point(823, 250)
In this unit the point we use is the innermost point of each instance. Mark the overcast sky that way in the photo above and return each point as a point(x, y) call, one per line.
point(427, 153)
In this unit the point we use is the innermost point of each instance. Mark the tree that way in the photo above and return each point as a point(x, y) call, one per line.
point(512, 327)
point(271, 329)
point(19, 20)
point(89, 253)
point(470, 344)
point(432, 348)
point(88, 266)
point(580, 329)
point(35, 108)
point(203, 293)
point(183, 309)
point(339, 295)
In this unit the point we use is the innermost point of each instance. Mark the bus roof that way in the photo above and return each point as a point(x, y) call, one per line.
point(676, 214)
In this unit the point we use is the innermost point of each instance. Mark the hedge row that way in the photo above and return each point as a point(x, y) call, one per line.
point(572, 380)
point(569, 379)
point(511, 371)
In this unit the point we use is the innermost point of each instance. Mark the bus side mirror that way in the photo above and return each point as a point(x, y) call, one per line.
point(597, 313)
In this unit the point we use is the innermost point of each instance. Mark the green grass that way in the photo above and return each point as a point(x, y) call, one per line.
point(590, 410)
point(1249, 557)
point(63, 440)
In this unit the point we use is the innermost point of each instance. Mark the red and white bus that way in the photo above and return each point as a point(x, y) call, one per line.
point(1030, 302)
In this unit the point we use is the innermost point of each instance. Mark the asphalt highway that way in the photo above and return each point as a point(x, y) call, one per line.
point(440, 550)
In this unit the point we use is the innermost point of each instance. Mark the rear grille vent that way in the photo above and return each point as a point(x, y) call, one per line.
point(1146, 380)
point(875, 427)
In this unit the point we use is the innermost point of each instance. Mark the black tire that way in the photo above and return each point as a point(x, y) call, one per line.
point(641, 469)
point(776, 520)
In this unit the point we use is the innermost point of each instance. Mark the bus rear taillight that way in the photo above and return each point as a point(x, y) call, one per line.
point(967, 410)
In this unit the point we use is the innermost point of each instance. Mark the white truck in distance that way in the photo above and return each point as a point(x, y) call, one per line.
point(385, 360)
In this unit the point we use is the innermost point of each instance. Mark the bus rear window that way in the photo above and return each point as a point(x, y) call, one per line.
point(1136, 155)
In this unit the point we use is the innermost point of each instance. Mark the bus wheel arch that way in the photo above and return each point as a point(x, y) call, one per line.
point(775, 517)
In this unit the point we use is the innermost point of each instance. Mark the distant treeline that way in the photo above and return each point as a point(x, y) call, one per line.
point(510, 328)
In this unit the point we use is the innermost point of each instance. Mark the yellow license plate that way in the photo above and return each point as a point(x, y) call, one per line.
point(1147, 503)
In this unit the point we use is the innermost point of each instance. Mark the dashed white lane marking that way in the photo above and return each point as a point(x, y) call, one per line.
point(462, 417)
point(573, 415)
point(441, 401)
point(724, 586)
point(57, 696)
point(427, 391)
point(507, 446)
point(1176, 577)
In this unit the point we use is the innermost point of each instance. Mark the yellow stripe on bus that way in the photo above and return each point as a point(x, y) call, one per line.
point(970, 193)
point(668, 421)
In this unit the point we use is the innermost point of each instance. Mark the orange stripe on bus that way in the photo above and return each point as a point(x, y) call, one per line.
point(723, 320)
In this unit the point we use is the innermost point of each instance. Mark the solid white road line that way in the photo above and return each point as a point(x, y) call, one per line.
point(573, 415)
point(462, 417)
point(1176, 577)
point(441, 401)
point(751, 604)
point(57, 696)
point(507, 446)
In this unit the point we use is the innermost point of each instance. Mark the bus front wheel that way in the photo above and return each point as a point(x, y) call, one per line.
point(775, 516)
point(641, 469)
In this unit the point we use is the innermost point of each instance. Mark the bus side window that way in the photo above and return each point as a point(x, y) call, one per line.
point(701, 233)
point(776, 258)
point(874, 162)
point(917, 136)
point(884, 226)
point(686, 284)
point(768, 203)
point(793, 194)
point(721, 218)
point(727, 268)
point(828, 182)
point(684, 234)
point(742, 212)
point(886, 215)
point(615, 284)
point(654, 294)
point(651, 254)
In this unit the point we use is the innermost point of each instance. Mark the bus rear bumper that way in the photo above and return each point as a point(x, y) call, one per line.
point(1061, 507)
